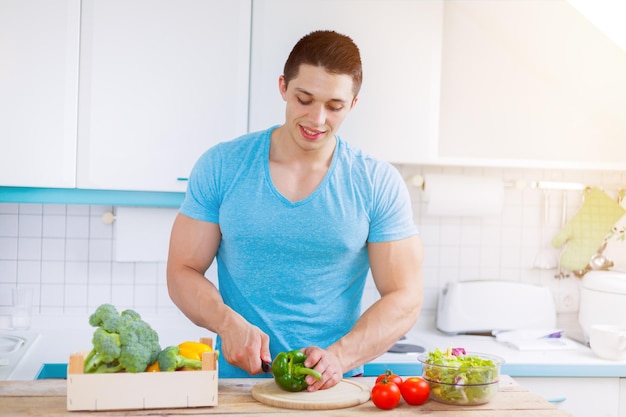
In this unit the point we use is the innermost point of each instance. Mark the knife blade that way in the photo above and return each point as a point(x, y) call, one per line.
point(266, 367)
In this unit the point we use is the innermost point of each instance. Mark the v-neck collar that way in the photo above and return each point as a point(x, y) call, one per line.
point(268, 175)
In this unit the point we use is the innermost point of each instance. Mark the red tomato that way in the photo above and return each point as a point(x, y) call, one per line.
point(390, 377)
point(415, 390)
point(386, 395)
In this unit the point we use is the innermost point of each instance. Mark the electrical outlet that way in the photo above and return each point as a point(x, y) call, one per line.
point(567, 297)
point(568, 303)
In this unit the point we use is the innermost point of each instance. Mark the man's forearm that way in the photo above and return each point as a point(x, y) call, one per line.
point(386, 321)
point(198, 299)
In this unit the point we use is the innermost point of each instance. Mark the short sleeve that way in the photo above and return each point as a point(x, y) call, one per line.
point(202, 199)
point(391, 213)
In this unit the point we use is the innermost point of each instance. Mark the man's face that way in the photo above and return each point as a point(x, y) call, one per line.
point(317, 103)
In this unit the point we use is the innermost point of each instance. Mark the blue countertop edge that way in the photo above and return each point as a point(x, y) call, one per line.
point(59, 370)
point(513, 370)
point(87, 196)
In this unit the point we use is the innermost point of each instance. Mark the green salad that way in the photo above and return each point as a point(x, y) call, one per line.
point(459, 378)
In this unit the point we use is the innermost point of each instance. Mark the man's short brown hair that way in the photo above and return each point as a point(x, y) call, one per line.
point(335, 52)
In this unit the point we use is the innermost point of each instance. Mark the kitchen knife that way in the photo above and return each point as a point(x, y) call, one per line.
point(266, 367)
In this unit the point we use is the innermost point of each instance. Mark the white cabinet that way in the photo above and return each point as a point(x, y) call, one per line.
point(160, 82)
point(38, 92)
point(530, 84)
point(396, 117)
point(581, 397)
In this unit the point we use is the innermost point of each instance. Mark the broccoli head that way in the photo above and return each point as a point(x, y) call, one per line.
point(140, 345)
point(106, 351)
point(131, 314)
point(171, 360)
point(107, 317)
point(120, 342)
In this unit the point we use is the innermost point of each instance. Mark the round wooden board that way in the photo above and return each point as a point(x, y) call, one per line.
point(347, 393)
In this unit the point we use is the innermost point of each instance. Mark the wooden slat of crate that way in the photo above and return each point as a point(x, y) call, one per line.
point(144, 390)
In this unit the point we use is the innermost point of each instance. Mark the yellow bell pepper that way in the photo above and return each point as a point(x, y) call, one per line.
point(189, 350)
point(193, 350)
point(154, 367)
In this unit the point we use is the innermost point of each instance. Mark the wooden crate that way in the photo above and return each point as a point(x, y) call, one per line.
point(144, 390)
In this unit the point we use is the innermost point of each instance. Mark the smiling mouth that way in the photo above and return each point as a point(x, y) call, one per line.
point(311, 134)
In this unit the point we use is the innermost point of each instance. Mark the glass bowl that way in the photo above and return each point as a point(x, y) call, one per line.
point(461, 379)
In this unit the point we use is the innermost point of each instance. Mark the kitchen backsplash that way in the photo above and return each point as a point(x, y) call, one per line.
point(67, 253)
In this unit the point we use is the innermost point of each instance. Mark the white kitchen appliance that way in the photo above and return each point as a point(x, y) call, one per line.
point(490, 306)
point(602, 300)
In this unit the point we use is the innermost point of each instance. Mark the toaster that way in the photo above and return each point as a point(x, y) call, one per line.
point(490, 306)
point(602, 300)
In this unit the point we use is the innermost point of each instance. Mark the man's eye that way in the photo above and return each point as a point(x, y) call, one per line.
point(303, 101)
point(335, 109)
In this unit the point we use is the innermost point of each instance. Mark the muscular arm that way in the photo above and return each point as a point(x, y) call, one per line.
point(397, 271)
point(193, 246)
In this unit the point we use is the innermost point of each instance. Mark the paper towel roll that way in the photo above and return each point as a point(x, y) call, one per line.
point(143, 233)
point(459, 195)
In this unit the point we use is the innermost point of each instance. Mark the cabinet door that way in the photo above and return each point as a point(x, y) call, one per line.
point(622, 397)
point(160, 82)
point(581, 397)
point(396, 117)
point(530, 84)
point(38, 92)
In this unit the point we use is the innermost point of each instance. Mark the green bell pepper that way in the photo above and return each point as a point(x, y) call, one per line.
point(289, 371)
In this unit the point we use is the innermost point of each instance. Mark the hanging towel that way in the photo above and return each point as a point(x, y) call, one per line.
point(585, 232)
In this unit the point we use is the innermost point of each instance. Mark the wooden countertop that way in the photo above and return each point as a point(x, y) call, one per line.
point(48, 397)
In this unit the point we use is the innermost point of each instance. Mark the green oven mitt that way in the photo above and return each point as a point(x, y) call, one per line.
point(616, 242)
point(585, 232)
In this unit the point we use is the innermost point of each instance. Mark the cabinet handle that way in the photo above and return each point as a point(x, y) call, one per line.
point(182, 179)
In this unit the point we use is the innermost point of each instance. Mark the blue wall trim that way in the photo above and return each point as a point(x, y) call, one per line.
point(82, 196)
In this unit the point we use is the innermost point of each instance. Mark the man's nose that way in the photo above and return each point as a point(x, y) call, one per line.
point(318, 115)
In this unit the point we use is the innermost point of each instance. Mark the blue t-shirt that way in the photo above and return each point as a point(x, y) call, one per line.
point(295, 269)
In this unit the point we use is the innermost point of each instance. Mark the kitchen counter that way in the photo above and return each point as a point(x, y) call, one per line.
point(48, 397)
point(577, 361)
point(58, 337)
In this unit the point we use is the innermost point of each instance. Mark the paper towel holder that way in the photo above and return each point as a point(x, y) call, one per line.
point(418, 181)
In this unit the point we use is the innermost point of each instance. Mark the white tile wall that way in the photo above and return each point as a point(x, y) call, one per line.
point(504, 247)
point(66, 252)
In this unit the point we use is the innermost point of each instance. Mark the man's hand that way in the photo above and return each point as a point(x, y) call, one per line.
point(245, 346)
point(324, 362)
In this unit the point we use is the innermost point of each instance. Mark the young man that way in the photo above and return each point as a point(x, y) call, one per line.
point(296, 218)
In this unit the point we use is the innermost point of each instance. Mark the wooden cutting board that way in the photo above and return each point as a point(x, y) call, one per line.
point(347, 393)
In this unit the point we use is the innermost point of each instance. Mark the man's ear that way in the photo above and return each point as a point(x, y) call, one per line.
point(282, 87)
point(354, 100)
